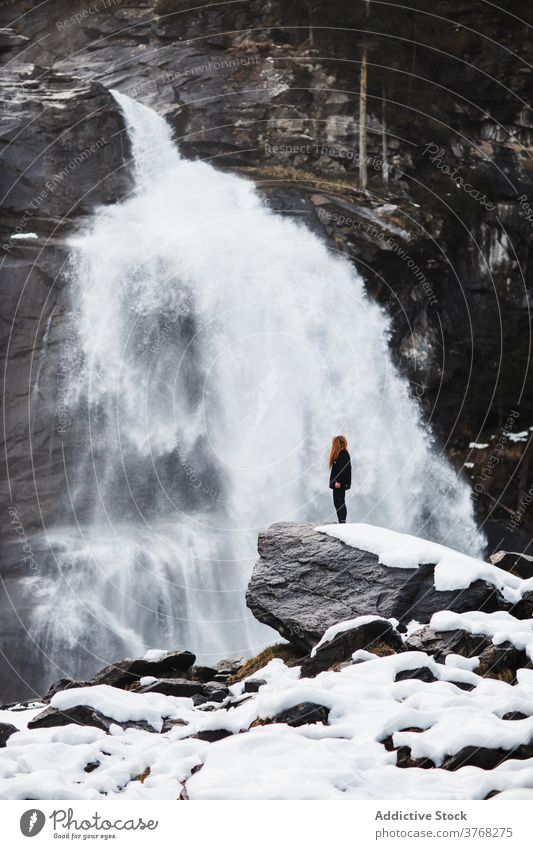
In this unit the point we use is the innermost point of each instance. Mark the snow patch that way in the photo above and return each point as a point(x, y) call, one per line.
point(453, 570)
point(154, 655)
point(517, 437)
point(457, 661)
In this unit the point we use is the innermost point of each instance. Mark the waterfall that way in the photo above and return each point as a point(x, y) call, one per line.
point(221, 347)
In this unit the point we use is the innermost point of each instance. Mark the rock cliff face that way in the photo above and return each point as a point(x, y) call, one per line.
point(306, 581)
point(272, 90)
point(63, 153)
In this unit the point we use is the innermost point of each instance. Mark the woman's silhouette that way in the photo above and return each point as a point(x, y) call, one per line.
point(340, 476)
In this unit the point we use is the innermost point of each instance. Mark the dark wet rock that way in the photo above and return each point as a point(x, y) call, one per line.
point(492, 660)
point(237, 700)
point(172, 663)
point(404, 759)
point(82, 715)
point(222, 673)
point(514, 715)
point(62, 684)
point(203, 673)
point(491, 794)
point(174, 687)
point(439, 644)
point(6, 730)
point(305, 713)
point(513, 562)
point(502, 662)
point(199, 700)
point(306, 581)
point(19, 707)
point(117, 674)
point(169, 724)
point(523, 609)
point(79, 715)
point(213, 735)
point(216, 691)
point(464, 685)
point(486, 758)
point(378, 636)
point(227, 668)
point(422, 673)
point(127, 672)
point(388, 741)
point(91, 766)
point(212, 691)
point(253, 685)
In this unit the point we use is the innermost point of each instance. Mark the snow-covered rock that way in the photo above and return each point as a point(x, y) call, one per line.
point(368, 633)
point(308, 579)
point(154, 663)
point(452, 569)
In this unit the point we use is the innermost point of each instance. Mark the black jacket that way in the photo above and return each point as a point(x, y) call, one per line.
point(341, 471)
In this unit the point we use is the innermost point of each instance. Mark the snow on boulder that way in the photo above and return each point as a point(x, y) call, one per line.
point(442, 643)
point(501, 627)
point(155, 663)
point(370, 633)
point(453, 570)
point(308, 579)
point(122, 707)
point(356, 624)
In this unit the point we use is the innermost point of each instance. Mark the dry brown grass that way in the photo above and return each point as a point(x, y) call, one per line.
point(487, 671)
point(142, 776)
point(381, 649)
point(296, 175)
point(283, 650)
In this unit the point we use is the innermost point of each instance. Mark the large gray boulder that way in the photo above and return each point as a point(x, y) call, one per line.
point(306, 581)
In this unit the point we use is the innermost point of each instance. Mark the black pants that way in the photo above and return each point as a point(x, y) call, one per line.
point(340, 506)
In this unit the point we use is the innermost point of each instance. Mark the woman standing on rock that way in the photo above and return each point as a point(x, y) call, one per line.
point(340, 476)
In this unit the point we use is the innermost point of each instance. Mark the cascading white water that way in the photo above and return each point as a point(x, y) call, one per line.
point(223, 346)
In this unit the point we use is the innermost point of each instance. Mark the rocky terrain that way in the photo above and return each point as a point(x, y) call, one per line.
point(441, 230)
point(380, 705)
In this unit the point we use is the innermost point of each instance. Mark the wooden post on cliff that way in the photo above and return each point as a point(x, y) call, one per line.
point(362, 122)
point(384, 163)
point(362, 109)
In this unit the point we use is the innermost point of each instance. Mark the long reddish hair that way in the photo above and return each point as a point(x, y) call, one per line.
point(338, 443)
